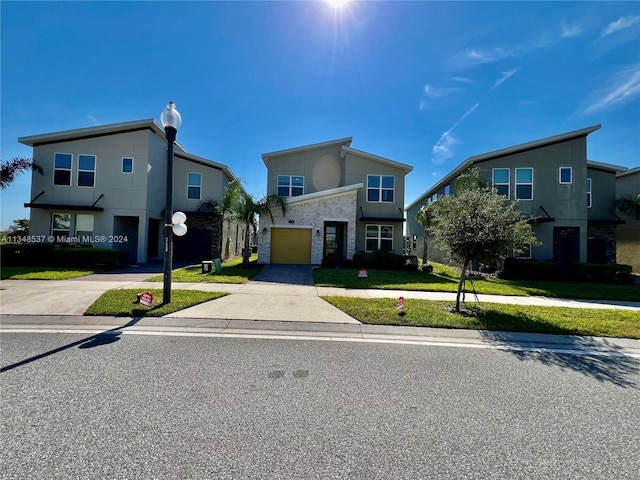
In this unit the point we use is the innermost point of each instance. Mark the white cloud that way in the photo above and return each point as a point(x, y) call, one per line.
point(621, 24)
point(570, 30)
point(93, 119)
point(443, 149)
point(463, 80)
point(431, 92)
point(472, 57)
point(505, 76)
point(622, 87)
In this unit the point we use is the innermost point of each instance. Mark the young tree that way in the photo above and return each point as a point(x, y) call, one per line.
point(425, 219)
point(629, 206)
point(478, 224)
point(20, 227)
point(10, 169)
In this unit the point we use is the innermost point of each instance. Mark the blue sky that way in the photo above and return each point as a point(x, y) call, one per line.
point(423, 83)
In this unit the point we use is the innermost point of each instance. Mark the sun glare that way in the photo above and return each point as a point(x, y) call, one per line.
point(337, 3)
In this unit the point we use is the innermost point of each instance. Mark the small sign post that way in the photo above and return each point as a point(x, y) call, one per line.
point(146, 299)
point(400, 303)
point(363, 273)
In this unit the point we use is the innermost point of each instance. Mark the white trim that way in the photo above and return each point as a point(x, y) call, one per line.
point(381, 188)
point(70, 169)
point(589, 192)
point(508, 184)
point(290, 225)
point(323, 193)
point(379, 237)
point(560, 176)
point(132, 166)
point(95, 168)
point(314, 146)
point(194, 186)
point(516, 184)
point(290, 185)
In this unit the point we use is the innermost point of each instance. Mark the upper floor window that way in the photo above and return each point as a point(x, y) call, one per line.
point(447, 190)
point(565, 175)
point(86, 170)
point(500, 180)
point(194, 186)
point(380, 188)
point(524, 183)
point(127, 165)
point(588, 192)
point(290, 185)
point(435, 197)
point(379, 237)
point(62, 169)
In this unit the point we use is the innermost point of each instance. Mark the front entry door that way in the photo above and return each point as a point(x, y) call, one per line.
point(333, 244)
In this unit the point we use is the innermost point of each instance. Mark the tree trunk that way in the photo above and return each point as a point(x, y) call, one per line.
point(246, 253)
point(463, 276)
point(424, 249)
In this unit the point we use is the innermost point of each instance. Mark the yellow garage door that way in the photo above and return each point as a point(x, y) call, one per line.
point(291, 245)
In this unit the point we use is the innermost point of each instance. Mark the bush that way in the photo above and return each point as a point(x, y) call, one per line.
point(84, 257)
point(604, 272)
point(427, 268)
point(385, 261)
point(26, 254)
point(525, 269)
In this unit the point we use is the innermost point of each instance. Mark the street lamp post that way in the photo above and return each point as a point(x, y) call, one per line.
point(170, 119)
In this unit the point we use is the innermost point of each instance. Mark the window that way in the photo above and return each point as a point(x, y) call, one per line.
point(447, 190)
point(565, 174)
point(379, 237)
point(380, 188)
point(127, 165)
point(290, 185)
point(60, 227)
point(194, 185)
point(62, 169)
point(86, 170)
point(524, 183)
point(435, 197)
point(500, 180)
point(84, 228)
point(588, 192)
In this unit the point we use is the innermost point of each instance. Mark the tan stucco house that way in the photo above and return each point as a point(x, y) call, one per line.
point(339, 201)
point(105, 186)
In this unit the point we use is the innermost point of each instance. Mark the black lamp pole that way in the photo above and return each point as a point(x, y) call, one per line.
point(171, 121)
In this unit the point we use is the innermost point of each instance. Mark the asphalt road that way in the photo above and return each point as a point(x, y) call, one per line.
point(215, 408)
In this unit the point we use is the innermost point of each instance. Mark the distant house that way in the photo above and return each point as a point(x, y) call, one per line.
point(105, 186)
point(628, 234)
point(340, 200)
point(569, 200)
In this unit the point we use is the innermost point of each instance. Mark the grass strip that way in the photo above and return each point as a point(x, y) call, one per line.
point(43, 273)
point(232, 272)
point(512, 318)
point(122, 302)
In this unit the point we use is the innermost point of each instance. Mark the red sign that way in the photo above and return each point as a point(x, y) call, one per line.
point(146, 299)
point(400, 303)
point(363, 274)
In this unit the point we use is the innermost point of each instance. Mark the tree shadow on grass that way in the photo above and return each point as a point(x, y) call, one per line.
point(596, 358)
point(103, 338)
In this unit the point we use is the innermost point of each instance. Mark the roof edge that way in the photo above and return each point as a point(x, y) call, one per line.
point(377, 158)
point(304, 148)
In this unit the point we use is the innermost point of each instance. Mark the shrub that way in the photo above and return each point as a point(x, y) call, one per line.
point(525, 269)
point(427, 268)
point(26, 254)
point(604, 272)
point(84, 257)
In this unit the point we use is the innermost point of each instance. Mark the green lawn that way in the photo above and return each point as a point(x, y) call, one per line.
point(121, 303)
point(513, 318)
point(232, 272)
point(445, 279)
point(43, 273)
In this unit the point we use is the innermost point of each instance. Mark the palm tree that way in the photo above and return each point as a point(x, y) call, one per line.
point(247, 210)
point(425, 218)
point(9, 170)
point(629, 206)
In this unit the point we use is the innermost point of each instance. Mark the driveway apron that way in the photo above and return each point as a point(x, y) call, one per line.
point(279, 292)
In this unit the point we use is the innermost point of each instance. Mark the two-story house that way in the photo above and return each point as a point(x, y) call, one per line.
point(628, 234)
point(339, 201)
point(569, 200)
point(105, 186)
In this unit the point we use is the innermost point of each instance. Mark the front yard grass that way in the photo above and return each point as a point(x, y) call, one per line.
point(121, 302)
point(43, 273)
point(511, 318)
point(232, 272)
point(445, 279)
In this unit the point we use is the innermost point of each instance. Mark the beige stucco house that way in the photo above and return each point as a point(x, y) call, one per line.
point(339, 201)
point(105, 186)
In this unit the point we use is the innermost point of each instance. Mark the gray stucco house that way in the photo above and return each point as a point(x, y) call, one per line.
point(339, 201)
point(105, 186)
point(628, 234)
point(569, 200)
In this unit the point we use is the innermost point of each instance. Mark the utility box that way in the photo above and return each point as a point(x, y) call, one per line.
point(218, 263)
point(207, 266)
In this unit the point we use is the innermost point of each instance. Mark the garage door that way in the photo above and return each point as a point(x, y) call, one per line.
point(291, 245)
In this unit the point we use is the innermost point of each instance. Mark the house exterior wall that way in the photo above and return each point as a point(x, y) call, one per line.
point(312, 214)
point(628, 235)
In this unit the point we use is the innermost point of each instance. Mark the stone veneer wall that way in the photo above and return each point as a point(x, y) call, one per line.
point(313, 213)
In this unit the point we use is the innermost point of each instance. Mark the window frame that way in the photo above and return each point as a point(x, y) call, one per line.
point(447, 190)
point(290, 186)
point(589, 192)
point(523, 254)
point(62, 232)
point(84, 234)
point(84, 170)
point(55, 169)
point(494, 184)
point(381, 189)
point(517, 184)
point(122, 165)
point(560, 169)
point(378, 238)
point(190, 186)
